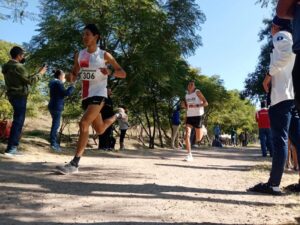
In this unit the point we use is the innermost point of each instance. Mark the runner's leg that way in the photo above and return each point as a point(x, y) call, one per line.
point(188, 129)
point(90, 115)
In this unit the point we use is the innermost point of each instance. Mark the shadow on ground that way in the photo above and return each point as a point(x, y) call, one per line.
point(9, 221)
point(42, 175)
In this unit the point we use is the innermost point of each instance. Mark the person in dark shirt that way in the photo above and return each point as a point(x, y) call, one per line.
point(106, 139)
point(233, 136)
point(56, 104)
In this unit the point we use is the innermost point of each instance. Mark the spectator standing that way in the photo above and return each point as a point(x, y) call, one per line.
point(106, 140)
point(56, 104)
point(175, 127)
point(123, 125)
point(284, 117)
point(265, 136)
point(290, 9)
point(233, 137)
point(217, 131)
point(17, 83)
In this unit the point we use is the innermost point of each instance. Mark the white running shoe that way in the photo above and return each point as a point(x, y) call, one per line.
point(188, 158)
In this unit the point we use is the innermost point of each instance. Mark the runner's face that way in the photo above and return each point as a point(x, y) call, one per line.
point(89, 38)
point(191, 86)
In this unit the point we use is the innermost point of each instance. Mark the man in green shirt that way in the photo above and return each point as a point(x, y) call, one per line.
point(17, 81)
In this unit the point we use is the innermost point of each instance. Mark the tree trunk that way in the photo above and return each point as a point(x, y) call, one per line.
point(156, 115)
point(152, 139)
point(151, 136)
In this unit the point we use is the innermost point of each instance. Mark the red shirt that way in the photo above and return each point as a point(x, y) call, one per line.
point(262, 118)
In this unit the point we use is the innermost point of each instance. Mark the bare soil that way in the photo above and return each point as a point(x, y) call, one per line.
point(138, 186)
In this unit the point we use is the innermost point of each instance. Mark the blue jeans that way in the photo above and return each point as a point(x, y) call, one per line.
point(19, 107)
point(265, 138)
point(285, 123)
point(56, 116)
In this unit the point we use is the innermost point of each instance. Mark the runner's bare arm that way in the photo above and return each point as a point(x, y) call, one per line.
point(285, 8)
point(183, 105)
point(202, 98)
point(75, 71)
point(118, 71)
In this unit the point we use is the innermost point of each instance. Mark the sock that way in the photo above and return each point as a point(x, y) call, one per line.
point(75, 161)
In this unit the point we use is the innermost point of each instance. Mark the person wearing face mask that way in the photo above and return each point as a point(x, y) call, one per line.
point(17, 81)
point(56, 104)
point(284, 117)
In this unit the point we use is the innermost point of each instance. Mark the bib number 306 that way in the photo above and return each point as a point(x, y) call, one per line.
point(88, 75)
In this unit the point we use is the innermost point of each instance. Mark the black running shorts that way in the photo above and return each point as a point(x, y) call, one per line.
point(95, 100)
point(194, 121)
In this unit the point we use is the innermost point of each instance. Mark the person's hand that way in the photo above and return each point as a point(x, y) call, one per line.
point(71, 78)
point(267, 83)
point(105, 71)
point(43, 70)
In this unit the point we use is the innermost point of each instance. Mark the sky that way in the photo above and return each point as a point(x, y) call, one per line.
point(229, 35)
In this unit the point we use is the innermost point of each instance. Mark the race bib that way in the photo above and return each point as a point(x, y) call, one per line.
point(88, 74)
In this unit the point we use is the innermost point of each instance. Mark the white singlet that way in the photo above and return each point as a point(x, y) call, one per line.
point(193, 105)
point(94, 82)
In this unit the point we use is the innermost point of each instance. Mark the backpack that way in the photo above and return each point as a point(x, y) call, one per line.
point(5, 127)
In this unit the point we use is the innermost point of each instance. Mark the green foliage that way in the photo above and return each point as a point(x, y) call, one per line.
point(234, 113)
point(15, 10)
point(253, 83)
point(147, 37)
point(4, 52)
point(214, 91)
point(5, 108)
point(73, 110)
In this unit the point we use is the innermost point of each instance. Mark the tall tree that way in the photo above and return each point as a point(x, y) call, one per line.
point(147, 37)
point(5, 109)
point(15, 10)
point(4, 52)
point(253, 83)
point(235, 113)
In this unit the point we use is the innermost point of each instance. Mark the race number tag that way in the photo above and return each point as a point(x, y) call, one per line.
point(88, 74)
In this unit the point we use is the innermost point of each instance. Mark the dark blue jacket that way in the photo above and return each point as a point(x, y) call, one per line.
point(57, 94)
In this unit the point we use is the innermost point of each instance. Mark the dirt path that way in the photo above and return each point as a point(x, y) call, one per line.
point(142, 187)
